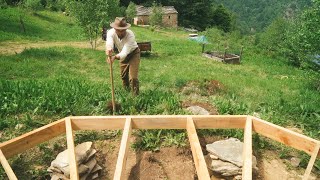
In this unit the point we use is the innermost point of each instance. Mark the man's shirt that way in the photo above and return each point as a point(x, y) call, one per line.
point(125, 45)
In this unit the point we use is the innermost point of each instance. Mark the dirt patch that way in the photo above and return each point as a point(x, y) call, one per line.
point(168, 163)
point(9, 48)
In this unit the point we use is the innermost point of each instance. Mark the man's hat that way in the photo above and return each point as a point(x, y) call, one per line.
point(120, 23)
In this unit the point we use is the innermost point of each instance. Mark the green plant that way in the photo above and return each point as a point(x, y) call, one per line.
point(149, 140)
point(131, 12)
point(156, 15)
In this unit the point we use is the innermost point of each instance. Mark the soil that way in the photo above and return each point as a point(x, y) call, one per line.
point(8, 48)
point(168, 163)
point(177, 163)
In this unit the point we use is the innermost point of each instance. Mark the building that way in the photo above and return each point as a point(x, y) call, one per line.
point(169, 18)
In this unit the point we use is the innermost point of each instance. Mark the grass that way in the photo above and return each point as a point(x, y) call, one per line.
point(41, 85)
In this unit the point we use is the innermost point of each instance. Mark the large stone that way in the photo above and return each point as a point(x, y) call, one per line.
point(197, 110)
point(225, 168)
point(229, 150)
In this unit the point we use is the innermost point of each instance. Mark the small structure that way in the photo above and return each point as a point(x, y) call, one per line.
point(144, 46)
point(169, 17)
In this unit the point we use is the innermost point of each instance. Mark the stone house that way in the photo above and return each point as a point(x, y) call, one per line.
point(169, 18)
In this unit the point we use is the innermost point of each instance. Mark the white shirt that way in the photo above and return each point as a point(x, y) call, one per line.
point(125, 46)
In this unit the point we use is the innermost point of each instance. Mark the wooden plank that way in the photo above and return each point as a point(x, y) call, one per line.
point(197, 154)
point(311, 162)
point(123, 152)
point(98, 122)
point(158, 122)
point(7, 168)
point(71, 151)
point(247, 151)
point(285, 136)
point(31, 139)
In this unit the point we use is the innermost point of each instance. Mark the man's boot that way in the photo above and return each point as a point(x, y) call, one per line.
point(135, 87)
point(126, 84)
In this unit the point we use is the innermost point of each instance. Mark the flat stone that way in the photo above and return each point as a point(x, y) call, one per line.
point(213, 157)
point(228, 150)
point(225, 168)
point(197, 110)
point(294, 161)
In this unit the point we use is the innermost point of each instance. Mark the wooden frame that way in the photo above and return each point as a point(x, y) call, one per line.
point(188, 122)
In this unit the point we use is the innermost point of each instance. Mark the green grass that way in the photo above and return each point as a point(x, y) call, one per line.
point(41, 85)
point(42, 25)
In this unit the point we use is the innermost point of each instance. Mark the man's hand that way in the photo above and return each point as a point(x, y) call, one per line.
point(110, 59)
point(109, 52)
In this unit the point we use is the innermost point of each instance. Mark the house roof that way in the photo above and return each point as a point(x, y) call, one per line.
point(146, 11)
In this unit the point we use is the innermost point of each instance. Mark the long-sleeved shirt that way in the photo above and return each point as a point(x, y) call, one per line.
point(125, 45)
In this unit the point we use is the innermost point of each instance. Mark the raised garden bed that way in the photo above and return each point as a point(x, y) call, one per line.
point(221, 57)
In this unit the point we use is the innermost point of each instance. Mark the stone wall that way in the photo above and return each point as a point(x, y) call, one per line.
point(168, 20)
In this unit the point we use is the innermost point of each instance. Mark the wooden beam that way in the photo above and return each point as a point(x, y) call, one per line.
point(285, 136)
point(158, 122)
point(247, 151)
point(311, 162)
point(123, 152)
point(197, 154)
point(71, 151)
point(7, 168)
point(33, 138)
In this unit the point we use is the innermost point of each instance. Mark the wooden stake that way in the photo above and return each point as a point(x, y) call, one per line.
point(311, 162)
point(247, 151)
point(112, 87)
point(71, 151)
point(197, 154)
point(7, 168)
point(123, 152)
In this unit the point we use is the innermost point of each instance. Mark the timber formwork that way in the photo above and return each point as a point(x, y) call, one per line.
point(189, 122)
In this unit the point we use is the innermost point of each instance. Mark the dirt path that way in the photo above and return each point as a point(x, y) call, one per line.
point(9, 48)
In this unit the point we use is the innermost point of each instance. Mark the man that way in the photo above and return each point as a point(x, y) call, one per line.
point(129, 53)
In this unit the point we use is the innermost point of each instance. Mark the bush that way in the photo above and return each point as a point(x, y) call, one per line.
point(3, 4)
point(34, 5)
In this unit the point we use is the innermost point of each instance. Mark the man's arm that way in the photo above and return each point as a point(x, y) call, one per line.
point(110, 42)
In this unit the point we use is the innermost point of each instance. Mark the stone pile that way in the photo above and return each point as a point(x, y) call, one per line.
point(225, 158)
point(85, 158)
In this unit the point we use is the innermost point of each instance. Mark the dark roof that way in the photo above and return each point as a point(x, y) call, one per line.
point(146, 11)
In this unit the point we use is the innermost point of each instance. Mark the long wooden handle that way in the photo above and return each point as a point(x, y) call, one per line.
point(112, 87)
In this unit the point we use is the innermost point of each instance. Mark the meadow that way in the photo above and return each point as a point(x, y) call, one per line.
point(41, 85)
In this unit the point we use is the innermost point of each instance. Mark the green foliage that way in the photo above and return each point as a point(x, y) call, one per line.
point(3, 4)
point(273, 39)
point(304, 38)
point(222, 18)
point(156, 15)
point(91, 15)
point(152, 140)
point(34, 5)
point(131, 12)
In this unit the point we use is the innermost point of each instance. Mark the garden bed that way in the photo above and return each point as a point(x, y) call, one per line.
point(221, 57)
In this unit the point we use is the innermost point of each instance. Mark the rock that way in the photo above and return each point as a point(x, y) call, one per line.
point(229, 150)
point(90, 164)
point(197, 110)
point(294, 161)
point(19, 126)
point(213, 157)
point(225, 168)
point(238, 177)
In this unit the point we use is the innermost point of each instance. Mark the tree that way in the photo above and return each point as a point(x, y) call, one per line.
point(222, 18)
point(156, 15)
point(303, 37)
point(131, 12)
point(93, 14)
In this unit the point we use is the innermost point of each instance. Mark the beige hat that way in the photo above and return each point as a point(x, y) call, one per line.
point(120, 23)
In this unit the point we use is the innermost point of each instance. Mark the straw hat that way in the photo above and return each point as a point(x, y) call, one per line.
point(120, 23)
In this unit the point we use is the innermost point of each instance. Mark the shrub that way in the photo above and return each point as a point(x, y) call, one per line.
point(34, 5)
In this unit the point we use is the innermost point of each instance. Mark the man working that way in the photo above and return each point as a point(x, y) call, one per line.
point(129, 53)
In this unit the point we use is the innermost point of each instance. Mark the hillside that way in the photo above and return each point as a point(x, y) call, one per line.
point(50, 79)
point(258, 14)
